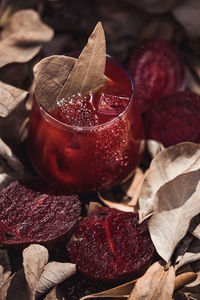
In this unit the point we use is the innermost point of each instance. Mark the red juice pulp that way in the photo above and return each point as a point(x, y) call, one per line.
point(89, 143)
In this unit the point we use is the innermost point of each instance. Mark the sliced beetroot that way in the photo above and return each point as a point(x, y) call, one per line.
point(176, 119)
point(35, 213)
point(157, 72)
point(109, 245)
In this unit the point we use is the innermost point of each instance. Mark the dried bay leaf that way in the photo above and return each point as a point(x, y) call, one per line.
point(156, 283)
point(88, 72)
point(53, 274)
point(166, 165)
point(114, 204)
point(92, 206)
point(23, 37)
point(26, 27)
point(194, 228)
point(50, 75)
point(121, 291)
point(15, 288)
point(35, 258)
point(176, 203)
point(15, 122)
point(134, 189)
point(192, 254)
point(182, 248)
point(183, 279)
point(10, 98)
point(5, 267)
point(154, 147)
point(188, 15)
point(10, 166)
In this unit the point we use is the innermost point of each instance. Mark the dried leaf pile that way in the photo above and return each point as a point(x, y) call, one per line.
point(168, 192)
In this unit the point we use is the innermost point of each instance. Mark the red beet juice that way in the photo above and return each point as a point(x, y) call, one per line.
point(89, 143)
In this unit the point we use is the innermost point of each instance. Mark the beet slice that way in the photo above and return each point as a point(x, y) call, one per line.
point(109, 245)
point(33, 212)
point(176, 119)
point(157, 72)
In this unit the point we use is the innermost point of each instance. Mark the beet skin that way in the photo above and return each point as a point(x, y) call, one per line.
point(157, 72)
point(109, 245)
point(35, 213)
point(175, 119)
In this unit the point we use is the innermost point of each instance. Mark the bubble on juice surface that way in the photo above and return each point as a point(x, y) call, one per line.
point(77, 111)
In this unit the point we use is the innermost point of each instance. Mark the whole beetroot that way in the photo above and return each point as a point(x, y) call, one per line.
point(175, 119)
point(157, 72)
point(109, 245)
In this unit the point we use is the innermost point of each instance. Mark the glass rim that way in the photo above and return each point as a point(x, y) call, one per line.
point(58, 123)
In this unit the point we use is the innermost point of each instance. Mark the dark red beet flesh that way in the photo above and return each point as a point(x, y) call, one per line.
point(157, 72)
point(176, 119)
point(35, 213)
point(109, 245)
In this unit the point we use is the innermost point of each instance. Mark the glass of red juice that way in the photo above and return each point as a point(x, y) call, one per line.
point(89, 143)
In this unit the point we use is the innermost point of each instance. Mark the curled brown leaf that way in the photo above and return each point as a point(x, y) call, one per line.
point(10, 166)
point(50, 75)
point(5, 267)
point(183, 279)
point(192, 254)
point(176, 203)
point(121, 291)
point(23, 37)
point(53, 274)
point(156, 283)
point(35, 258)
point(166, 165)
point(10, 98)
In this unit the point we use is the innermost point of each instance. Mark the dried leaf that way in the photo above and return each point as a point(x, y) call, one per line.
point(193, 287)
point(55, 294)
point(9, 164)
point(191, 82)
point(22, 37)
point(182, 248)
point(92, 206)
point(15, 288)
point(88, 71)
point(166, 165)
point(113, 204)
point(195, 227)
point(14, 122)
point(188, 15)
point(156, 283)
point(135, 187)
point(154, 147)
point(35, 258)
point(5, 267)
point(121, 291)
point(50, 75)
point(194, 297)
point(183, 279)
point(191, 255)
point(176, 203)
point(53, 274)
point(27, 27)
point(10, 98)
